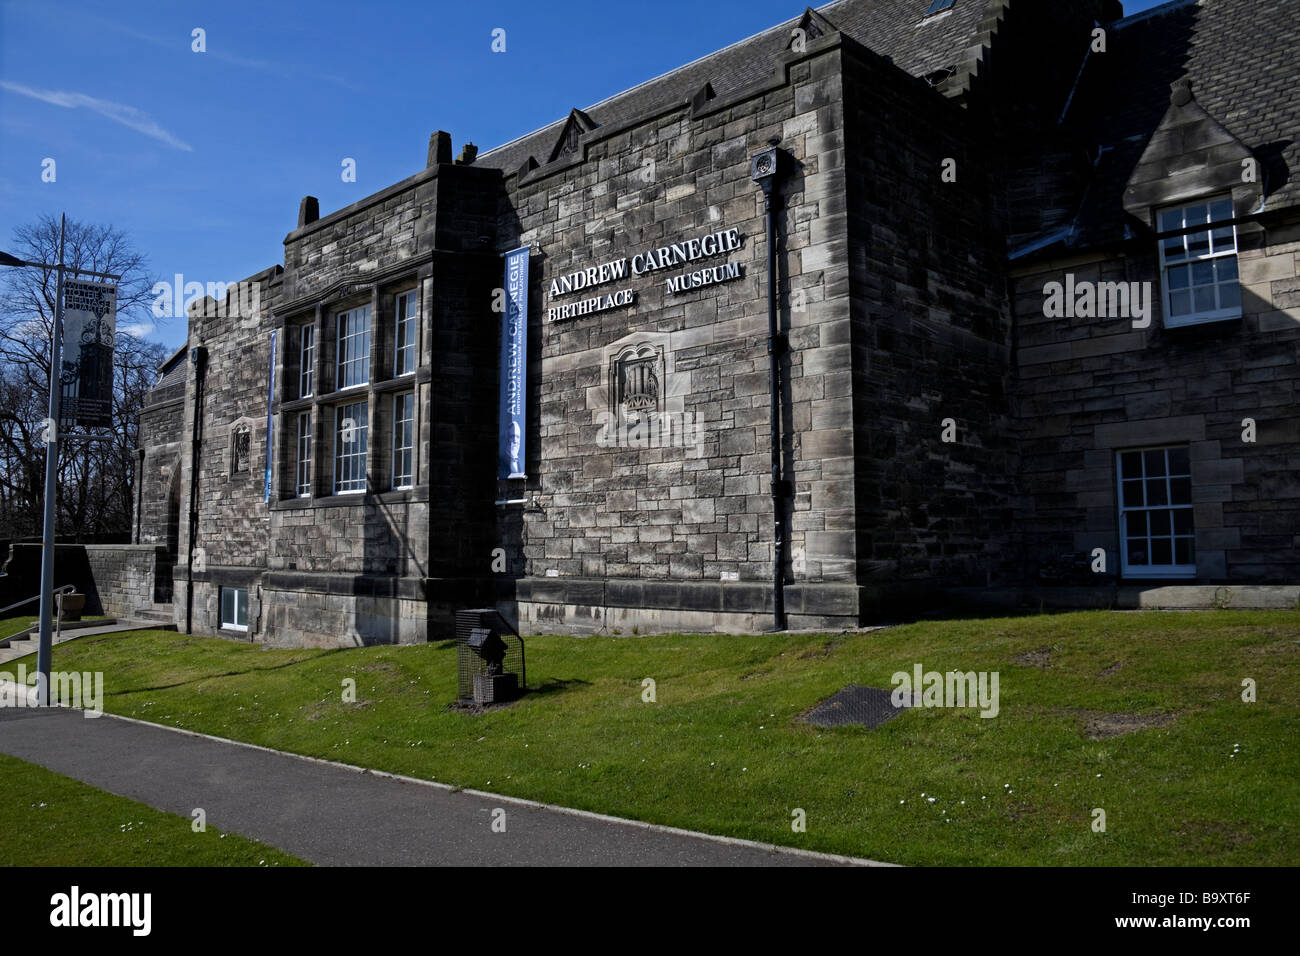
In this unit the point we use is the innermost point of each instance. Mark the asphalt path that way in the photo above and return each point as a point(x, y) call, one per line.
point(335, 815)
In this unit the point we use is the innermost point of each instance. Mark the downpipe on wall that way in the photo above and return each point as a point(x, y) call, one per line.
point(766, 168)
point(199, 356)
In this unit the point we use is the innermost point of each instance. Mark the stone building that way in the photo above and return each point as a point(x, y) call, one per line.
point(1037, 308)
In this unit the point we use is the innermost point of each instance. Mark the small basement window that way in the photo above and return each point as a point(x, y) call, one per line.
point(234, 609)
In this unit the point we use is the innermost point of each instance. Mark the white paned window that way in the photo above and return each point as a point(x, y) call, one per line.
point(351, 429)
point(404, 440)
point(354, 347)
point(404, 340)
point(304, 455)
point(1199, 267)
point(307, 362)
point(1155, 513)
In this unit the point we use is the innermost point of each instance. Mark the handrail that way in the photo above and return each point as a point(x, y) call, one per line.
point(63, 589)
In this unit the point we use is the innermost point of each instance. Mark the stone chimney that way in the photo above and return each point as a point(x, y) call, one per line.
point(439, 148)
point(467, 155)
point(308, 210)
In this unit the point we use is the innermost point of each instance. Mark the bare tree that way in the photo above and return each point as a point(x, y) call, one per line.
point(96, 479)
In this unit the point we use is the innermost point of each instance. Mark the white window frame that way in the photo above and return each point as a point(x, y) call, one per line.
point(1219, 257)
point(302, 467)
point(353, 341)
point(346, 461)
point(400, 448)
point(407, 315)
point(307, 362)
point(233, 624)
point(1172, 570)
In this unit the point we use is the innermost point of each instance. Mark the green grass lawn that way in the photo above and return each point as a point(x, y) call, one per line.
point(10, 626)
point(48, 819)
point(1214, 780)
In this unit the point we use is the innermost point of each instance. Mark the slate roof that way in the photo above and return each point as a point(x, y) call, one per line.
point(893, 28)
point(1243, 59)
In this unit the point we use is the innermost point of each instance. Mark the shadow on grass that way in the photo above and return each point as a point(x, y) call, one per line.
point(554, 685)
point(235, 673)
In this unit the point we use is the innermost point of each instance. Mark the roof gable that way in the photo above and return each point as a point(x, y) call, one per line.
point(811, 26)
point(1191, 154)
point(1244, 77)
point(574, 127)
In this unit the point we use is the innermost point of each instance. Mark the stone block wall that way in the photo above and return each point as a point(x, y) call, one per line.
point(157, 512)
point(679, 514)
point(1089, 387)
point(233, 520)
point(122, 577)
point(934, 458)
point(344, 554)
point(938, 430)
point(117, 579)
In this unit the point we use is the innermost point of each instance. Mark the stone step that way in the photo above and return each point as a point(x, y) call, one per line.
point(153, 614)
point(35, 626)
point(135, 624)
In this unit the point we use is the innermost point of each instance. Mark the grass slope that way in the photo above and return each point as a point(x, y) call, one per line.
point(51, 820)
point(722, 750)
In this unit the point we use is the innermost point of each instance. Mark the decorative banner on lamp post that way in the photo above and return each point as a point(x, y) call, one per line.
point(514, 366)
point(89, 330)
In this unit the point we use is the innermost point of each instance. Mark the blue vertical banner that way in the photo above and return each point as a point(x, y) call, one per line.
point(514, 366)
point(270, 397)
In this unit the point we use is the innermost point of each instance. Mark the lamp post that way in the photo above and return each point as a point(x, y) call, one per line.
point(45, 645)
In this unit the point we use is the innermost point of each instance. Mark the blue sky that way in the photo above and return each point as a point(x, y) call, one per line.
point(202, 157)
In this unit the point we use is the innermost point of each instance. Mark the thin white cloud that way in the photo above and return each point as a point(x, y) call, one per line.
point(138, 329)
point(286, 70)
point(128, 116)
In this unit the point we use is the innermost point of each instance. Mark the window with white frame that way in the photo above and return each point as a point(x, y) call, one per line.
point(350, 445)
point(404, 440)
point(1155, 513)
point(234, 608)
point(1199, 265)
point(404, 340)
point(303, 485)
point(307, 362)
point(354, 347)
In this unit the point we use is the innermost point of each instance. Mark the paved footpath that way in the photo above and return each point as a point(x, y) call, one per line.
point(336, 815)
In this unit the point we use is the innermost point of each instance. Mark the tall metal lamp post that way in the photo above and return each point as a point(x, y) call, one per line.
point(45, 644)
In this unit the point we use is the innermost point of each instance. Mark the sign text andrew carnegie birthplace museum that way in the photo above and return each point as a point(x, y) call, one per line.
point(665, 257)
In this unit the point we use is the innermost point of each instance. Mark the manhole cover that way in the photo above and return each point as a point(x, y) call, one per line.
point(855, 704)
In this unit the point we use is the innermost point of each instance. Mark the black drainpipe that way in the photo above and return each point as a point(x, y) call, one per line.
point(765, 167)
point(199, 356)
point(139, 489)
